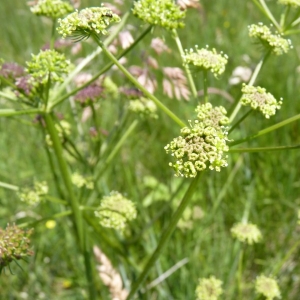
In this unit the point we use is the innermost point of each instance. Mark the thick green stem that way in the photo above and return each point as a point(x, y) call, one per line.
point(52, 39)
point(77, 215)
point(66, 176)
point(251, 82)
point(137, 84)
point(186, 67)
point(166, 235)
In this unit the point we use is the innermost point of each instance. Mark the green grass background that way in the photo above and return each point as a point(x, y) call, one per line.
point(269, 180)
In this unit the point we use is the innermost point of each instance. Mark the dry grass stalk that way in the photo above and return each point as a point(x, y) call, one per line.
point(109, 276)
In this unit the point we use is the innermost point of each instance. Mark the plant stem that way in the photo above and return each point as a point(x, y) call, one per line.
point(266, 130)
point(264, 149)
point(251, 82)
point(205, 86)
point(9, 186)
point(136, 83)
point(77, 215)
point(66, 176)
point(186, 67)
point(102, 71)
point(166, 235)
point(52, 39)
point(116, 148)
point(270, 15)
point(240, 120)
point(8, 112)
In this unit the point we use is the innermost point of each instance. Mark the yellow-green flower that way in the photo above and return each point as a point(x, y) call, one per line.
point(268, 287)
point(206, 60)
point(115, 211)
point(90, 20)
point(34, 195)
point(209, 288)
point(258, 98)
point(164, 13)
point(144, 107)
point(246, 233)
point(275, 42)
point(48, 65)
point(51, 8)
point(201, 144)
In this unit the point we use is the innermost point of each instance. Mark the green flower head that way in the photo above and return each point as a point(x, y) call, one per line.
point(209, 288)
point(164, 13)
point(205, 59)
point(268, 287)
point(144, 107)
point(246, 233)
point(34, 195)
point(81, 25)
point(115, 211)
point(293, 3)
point(47, 65)
point(201, 144)
point(80, 181)
point(259, 99)
point(14, 244)
point(51, 8)
point(275, 42)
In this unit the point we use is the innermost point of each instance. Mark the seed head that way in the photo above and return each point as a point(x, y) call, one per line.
point(205, 59)
point(209, 288)
point(51, 8)
point(293, 3)
point(14, 244)
point(246, 233)
point(81, 25)
point(115, 211)
point(203, 143)
point(144, 107)
point(164, 13)
point(48, 64)
point(268, 287)
point(258, 98)
point(275, 42)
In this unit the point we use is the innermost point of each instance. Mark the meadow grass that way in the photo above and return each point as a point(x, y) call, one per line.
point(263, 185)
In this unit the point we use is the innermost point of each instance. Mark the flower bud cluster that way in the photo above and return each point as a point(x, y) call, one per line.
point(258, 98)
point(33, 196)
point(275, 42)
point(14, 244)
point(48, 65)
point(51, 8)
point(209, 288)
point(268, 287)
point(164, 13)
point(115, 211)
point(144, 107)
point(80, 181)
point(89, 20)
point(246, 233)
point(205, 59)
point(293, 3)
point(204, 142)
